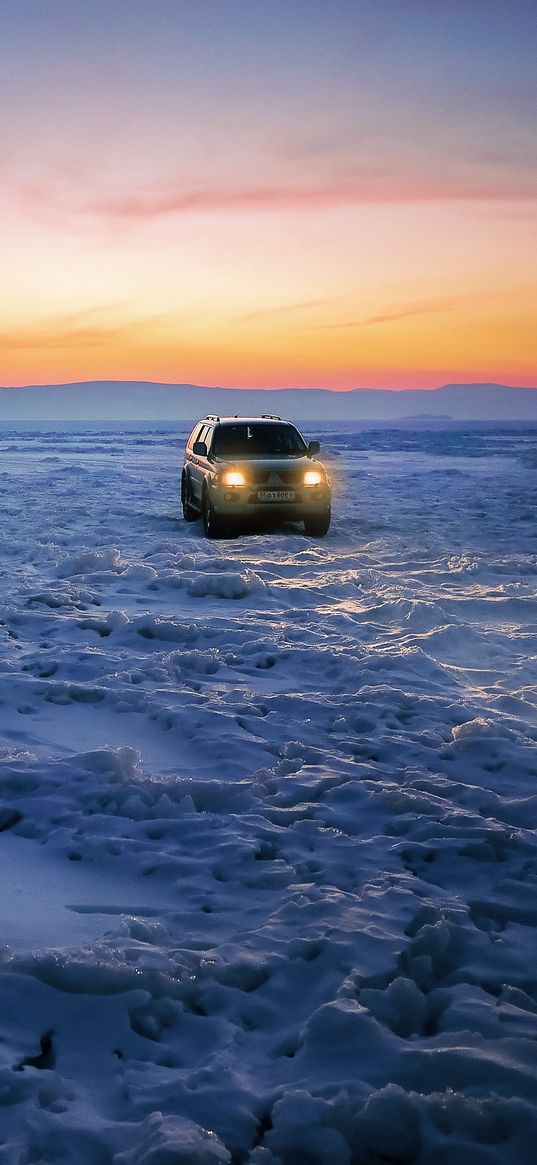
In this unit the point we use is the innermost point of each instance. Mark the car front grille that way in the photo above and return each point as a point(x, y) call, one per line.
point(275, 479)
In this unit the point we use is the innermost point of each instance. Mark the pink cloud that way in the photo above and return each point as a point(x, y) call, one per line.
point(156, 204)
point(139, 206)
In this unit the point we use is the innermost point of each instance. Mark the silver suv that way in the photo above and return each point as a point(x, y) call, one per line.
point(248, 467)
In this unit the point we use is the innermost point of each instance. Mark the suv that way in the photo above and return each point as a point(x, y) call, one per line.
point(240, 467)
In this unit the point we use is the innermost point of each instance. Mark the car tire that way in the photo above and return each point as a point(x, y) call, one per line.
point(212, 524)
point(190, 514)
point(317, 525)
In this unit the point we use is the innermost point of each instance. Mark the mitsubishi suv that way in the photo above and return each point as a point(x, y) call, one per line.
point(248, 467)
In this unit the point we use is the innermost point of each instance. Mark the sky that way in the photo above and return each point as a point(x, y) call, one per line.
point(268, 193)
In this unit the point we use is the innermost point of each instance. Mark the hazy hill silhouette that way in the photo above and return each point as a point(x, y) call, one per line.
point(147, 401)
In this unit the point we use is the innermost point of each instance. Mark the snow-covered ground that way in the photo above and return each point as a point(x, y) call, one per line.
point(267, 810)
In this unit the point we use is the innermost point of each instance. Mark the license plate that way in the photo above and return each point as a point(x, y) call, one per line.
point(276, 495)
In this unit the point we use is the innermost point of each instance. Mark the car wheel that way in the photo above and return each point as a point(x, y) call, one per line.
point(190, 514)
point(212, 524)
point(317, 525)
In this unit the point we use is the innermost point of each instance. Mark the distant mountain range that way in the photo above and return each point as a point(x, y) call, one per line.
point(115, 400)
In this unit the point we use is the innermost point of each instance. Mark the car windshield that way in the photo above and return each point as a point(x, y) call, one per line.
point(251, 440)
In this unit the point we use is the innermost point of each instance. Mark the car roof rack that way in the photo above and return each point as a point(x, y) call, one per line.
point(211, 417)
point(270, 417)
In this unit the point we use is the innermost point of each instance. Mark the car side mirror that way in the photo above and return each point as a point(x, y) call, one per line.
point(313, 448)
point(199, 449)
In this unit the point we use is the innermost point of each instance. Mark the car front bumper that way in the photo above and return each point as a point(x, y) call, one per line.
point(242, 503)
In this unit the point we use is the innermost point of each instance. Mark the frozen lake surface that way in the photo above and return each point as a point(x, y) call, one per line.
point(268, 808)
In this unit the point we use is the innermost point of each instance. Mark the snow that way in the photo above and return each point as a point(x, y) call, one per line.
point(267, 809)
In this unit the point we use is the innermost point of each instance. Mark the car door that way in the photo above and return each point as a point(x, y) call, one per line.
point(199, 465)
point(189, 455)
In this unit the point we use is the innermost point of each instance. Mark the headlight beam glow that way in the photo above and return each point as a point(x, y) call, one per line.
point(233, 477)
point(312, 477)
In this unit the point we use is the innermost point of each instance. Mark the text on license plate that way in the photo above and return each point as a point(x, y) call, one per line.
point(276, 495)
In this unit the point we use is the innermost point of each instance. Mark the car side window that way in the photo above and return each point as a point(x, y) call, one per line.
point(194, 436)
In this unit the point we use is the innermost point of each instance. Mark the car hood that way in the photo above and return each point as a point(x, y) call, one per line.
point(268, 464)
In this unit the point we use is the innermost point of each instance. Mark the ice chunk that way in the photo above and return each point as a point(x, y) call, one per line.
point(173, 1140)
point(227, 585)
point(89, 561)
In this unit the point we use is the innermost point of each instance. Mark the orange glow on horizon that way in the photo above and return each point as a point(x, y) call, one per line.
point(395, 344)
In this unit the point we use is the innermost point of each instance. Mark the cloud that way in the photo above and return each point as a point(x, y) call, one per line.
point(84, 329)
point(157, 204)
point(433, 306)
point(420, 308)
point(284, 309)
point(151, 205)
point(427, 307)
point(68, 205)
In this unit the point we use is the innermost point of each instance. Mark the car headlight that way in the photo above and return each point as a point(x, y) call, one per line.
point(312, 477)
point(233, 477)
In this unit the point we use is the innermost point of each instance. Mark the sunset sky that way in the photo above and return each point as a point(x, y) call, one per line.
point(268, 193)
